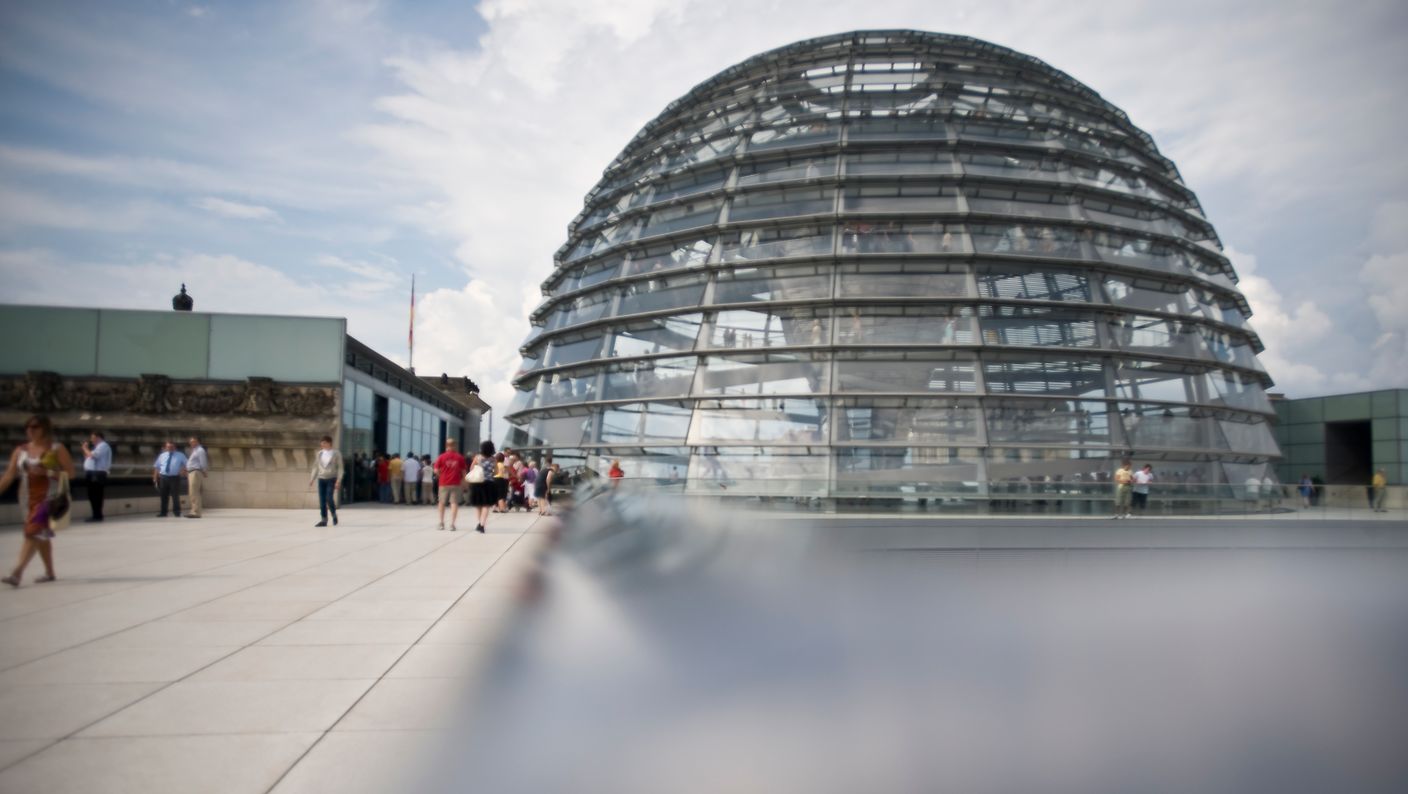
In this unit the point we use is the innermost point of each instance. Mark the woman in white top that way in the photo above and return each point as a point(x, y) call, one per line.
point(37, 463)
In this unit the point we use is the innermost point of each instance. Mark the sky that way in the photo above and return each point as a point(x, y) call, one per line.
point(310, 156)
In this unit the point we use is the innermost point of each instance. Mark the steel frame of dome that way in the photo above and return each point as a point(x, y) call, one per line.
point(894, 264)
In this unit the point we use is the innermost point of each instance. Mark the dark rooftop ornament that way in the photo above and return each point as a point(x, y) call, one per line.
point(183, 302)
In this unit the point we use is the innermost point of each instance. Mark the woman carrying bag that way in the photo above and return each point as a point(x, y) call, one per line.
point(43, 467)
point(483, 493)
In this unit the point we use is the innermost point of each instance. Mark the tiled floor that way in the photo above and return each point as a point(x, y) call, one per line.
point(248, 651)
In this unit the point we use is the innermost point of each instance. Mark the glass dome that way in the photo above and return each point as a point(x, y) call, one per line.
point(894, 264)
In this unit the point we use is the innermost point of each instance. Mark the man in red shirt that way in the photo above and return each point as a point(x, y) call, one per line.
point(383, 479)
point(450, 467)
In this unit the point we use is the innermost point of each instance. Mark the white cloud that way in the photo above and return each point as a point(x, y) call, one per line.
point(1385, 276)
point(237, 210)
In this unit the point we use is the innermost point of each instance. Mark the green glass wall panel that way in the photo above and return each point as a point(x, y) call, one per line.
point(1385, 429)
point(49, 340)
point(174, 344)
point(1385, 403)
point(1301, 411)
point(1347, 407)
point(1303, 434)
point(1385, 452)
point(294, 349)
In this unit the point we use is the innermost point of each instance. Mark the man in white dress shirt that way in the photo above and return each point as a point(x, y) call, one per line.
point(97, 465)
point(410, 474)
point(197, 469)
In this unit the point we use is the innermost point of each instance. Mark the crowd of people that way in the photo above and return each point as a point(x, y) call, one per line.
point(511, 482)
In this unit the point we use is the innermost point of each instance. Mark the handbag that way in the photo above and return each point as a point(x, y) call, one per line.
point(476, 475)
point(60, 504)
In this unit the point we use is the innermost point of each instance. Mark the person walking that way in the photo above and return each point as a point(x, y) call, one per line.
point(327, 472)
point(530, 485)
point(166, 476)
point(1142, 478)
point(549, 479)
point(197, 469)
point(450, 467)
point(97, 467)
point(540, 488)
point(501, 482)
point(410, 478)
point(1306, 488)
point(1380, 490)
point(616, 474)
point(38, 464)
point(427, 481)
point(393, 475)
point(1124, 488)
point(483, 493)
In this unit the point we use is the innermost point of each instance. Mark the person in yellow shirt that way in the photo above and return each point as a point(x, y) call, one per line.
point(1124, 488)
point(393, 472)
point(1380, 486)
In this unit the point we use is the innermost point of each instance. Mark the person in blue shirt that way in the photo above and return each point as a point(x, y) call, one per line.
point(166, 476)
point(97, 465)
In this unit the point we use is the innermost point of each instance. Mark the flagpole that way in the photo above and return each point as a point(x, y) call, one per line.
point(411, 335)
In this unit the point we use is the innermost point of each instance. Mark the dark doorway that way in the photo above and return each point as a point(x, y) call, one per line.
point(379, 424)
point(1349, 453)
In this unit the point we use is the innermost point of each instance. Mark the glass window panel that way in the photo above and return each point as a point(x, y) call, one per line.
point(774, 421)
point(697, 152)
point(661, 377)
point(895, 237)
point(681, 216)
point(658, 335)
point(1012, 165)
point(889, 325)
point(645, 423)
point(776, 242)
point(1037, 327)
point(750, 328)
point(1012, 421)
point(759, 470)
point(796, 134)
point(1156, 335)
point(572, 351)
point(906, 372)
point(1247, 434)
point(688, 183)
point(366, 399)
point(1017, 470)
point(560, 430)
point(1229, 348)
point(1004, 281)
point(901, 197)
point(581, 309)
point(901, 161)
point(1237, 391)
point(664, 292)
point(908, 420)
point(670, 256)
point(903, 128)
point(908, 470)
point(1155, 426)
point(1023, 202)
point(785, 203)
point(1020, 375)
point(658, 466)
point(758, 173)
point(744, 284)
point(1027, 240)
point(771, 373)
point(903, 280)
point(1150, 380)
point(568, 387)
point(592, 273)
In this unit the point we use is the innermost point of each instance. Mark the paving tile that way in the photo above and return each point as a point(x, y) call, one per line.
point(303, 662)
point(440, 661)
point(95, 664)
point(12, 750)
point(159, 765)
point(350, 632)
point(176, 632)
point(462, 632)
point(363, 762)
point(407, 704)
point(52, 711)
point(383, 609)
point(201, 707)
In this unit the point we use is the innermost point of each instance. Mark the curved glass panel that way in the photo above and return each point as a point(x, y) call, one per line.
point(763, 373)
point(916, 372)
point(908, 421)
